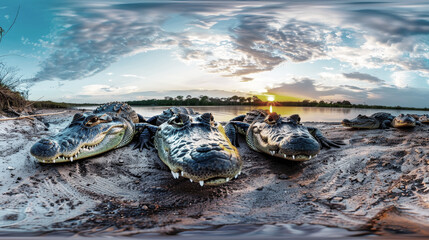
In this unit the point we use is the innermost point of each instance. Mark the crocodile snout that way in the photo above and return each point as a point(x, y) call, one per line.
point(44, 148)
point(299, 145)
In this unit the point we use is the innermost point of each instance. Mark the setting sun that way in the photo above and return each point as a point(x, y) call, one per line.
point(270, 98)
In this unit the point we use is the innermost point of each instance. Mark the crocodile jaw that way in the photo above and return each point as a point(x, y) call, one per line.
point(284, 140)
point(202, 154)
point(103, 142)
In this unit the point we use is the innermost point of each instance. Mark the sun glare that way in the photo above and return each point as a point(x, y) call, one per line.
point(270, 98)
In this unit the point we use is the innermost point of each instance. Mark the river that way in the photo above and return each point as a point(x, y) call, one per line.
point(308, 114)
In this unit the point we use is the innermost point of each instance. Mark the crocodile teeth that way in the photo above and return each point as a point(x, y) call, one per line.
point(236, 176)
point(174, 174)
point(315, 155)
point(227, 179)
point(284, 155)
point(71, 159)
point(201, 183)
point(309, 157)
point(293, 156)
point(191, 180)
point(272, 153)
point(54, 160)
point(181, 173)
point(239, 173)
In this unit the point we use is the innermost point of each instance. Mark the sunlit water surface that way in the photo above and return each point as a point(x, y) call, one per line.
point(308, 114)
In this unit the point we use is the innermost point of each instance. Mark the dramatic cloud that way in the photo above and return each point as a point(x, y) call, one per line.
point(255, 45)
point(245, 40)
point(363, 77)
point(257, 36)
point(97, 38)
point(389, 96)
point(391, 27)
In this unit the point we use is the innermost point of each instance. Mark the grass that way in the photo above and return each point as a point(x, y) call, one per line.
point(10, 99)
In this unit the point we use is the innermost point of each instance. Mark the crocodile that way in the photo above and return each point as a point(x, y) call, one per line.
point(283, 137)
point(424, 118)
point(379, 120)
point(382, 120)
point(404, 121)
point(193, 146)
point(109, 126)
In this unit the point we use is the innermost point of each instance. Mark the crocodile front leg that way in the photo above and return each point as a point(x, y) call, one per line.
point(147, 131)
point(323, 141)
point(233, 128)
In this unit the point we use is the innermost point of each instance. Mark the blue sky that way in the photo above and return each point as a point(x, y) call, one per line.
point(98, 51)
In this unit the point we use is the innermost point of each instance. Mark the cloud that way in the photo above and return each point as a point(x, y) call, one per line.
point(246, 79)
point(390, 27)
point(384, 95)
point(238, 39)
point(106, 90)
point(257, 45)
point(97, 38)
point(307, 88)
point(363, 77)
point(133, 76)
point(403, 79)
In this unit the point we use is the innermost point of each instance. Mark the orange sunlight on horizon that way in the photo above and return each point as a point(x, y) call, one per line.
point(278, 98)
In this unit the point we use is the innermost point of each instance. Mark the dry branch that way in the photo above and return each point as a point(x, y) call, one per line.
point(31, 116)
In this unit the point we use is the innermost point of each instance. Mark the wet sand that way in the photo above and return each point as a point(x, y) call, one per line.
point(377, 184)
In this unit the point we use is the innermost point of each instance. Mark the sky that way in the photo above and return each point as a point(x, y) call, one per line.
point(372, 52)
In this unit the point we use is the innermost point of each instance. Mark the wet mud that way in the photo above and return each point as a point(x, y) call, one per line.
point(376, 184)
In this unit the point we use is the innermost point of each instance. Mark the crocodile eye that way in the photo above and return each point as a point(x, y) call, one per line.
point(179, 120)
point(92, 121)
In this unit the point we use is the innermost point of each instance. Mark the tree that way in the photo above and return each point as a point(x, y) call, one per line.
point(179, 98)
point(204, 99)
point(234, 98)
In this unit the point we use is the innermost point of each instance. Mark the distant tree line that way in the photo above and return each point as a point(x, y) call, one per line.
point(253, 101)
point(198, 101)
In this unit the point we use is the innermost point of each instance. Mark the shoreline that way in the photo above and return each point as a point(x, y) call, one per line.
point(373, 184)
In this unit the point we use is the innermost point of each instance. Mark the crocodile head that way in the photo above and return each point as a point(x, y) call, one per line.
point(424, 118)
point(283, 138)
point(88, 134)
point(196, 147)
point(404, 121)
point(362, 121)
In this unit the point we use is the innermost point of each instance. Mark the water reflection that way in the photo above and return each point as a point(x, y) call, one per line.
point(308, 114)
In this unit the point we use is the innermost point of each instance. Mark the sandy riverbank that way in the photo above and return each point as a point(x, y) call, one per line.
point(378, 182)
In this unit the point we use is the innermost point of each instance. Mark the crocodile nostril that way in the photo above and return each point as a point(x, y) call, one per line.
point(46, 141)
point(65, 143)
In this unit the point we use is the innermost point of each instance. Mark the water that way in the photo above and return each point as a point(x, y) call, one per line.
point(308, 114)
